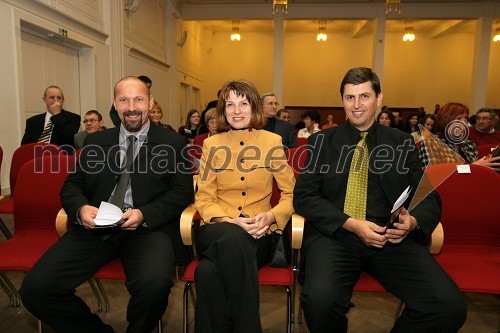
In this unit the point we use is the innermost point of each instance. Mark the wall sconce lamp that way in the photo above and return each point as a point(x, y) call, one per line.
point(496, 37)
point(235, 36)
point(277, 4)
point(393, 3)
point(409, 35)
point(322, 36)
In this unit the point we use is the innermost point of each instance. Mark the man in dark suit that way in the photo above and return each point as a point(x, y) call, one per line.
point(278, 126)
point(153, 197)
point(338, 245)
point(61, 124)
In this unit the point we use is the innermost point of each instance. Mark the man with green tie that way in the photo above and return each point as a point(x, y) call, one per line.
point(354, 174)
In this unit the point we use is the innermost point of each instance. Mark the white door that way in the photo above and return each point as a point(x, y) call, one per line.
point(47, 63)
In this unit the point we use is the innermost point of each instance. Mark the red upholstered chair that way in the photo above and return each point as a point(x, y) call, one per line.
point(301, 141)
point(37, 203)
point(268, 275)
point(297, 158)
point(471, 219)
point(484, 150)
point(22, 155)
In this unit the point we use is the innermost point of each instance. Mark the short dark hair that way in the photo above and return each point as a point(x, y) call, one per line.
point(241, 88)
point(145, 79)
point(361, 75)
point(89, 112)
point(313, 115)
point(280, 111)
point(389, 114)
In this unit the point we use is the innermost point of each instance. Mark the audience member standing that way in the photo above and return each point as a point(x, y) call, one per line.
point(280, 127)
point(193, 126)
point(93, 123)
point(56, 126)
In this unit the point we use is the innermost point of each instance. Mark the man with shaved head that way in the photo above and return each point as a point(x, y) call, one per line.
point(152, 190)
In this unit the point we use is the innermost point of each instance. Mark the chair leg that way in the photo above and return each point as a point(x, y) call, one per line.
point(39, 326)
point(185, 306)
point(398, 311)
point(17, 298)
point(107, 306)
point(92, 283)
point(289, 323)
point(7, 290)
point(160, 326)
point(5, 230)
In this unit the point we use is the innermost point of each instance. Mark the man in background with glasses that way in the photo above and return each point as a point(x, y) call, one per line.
point(280, 127)
point(93, 123)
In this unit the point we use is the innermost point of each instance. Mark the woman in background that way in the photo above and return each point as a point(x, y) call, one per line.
point(235, 183)
point(451, 128)
point(192, 127)
point(385, 118)
point(156, 114)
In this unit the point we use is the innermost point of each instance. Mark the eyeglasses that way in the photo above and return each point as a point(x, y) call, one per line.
point(273, 104)
point(90, 121)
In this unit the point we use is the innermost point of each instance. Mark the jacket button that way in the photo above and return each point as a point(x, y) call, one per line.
point(240, 208)
point(242, 178)
point(243, 193)
point(242, 160)
point(242, 143)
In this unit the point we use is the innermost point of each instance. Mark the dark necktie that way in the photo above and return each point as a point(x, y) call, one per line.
point(357, 183)
point(121, 187)
point(47, 131)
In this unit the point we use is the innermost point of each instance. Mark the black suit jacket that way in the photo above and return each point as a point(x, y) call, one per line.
point(162, 185)
point(320, 191)
point(287, 133)
point(66, 125)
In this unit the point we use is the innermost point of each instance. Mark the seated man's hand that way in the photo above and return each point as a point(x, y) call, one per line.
point(405, 224)
point(370, 233)
point(489, 162)
point(87, 216)
point(133, 219)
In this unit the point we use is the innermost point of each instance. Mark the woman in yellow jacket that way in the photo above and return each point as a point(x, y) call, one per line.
point(235, 184)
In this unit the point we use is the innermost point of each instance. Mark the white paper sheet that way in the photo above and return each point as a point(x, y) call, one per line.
point(108, 215)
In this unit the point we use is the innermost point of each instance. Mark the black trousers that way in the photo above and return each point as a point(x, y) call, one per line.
point(48, 290)
point(227, 285)
point(433, 302)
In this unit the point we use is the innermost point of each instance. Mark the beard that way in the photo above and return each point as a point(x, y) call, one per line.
point(132, 125)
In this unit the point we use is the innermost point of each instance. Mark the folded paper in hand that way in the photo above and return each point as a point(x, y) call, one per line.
point(108, 215)
point(398, 206)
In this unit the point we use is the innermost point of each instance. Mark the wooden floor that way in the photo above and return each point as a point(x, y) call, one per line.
point(373, 312)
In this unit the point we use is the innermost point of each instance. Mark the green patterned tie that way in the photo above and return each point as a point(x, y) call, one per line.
point(357, 184)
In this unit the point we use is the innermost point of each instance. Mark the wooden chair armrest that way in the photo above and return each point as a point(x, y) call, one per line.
point(437, 238)
point(297, 230)
point(187, 218)
point(61, 222)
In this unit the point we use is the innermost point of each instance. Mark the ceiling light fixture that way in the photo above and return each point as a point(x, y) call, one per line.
point(322, 36)
point(393, 3)
point(277, 4)
point(235, 36)
point(409, 35)
point(496, 37)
